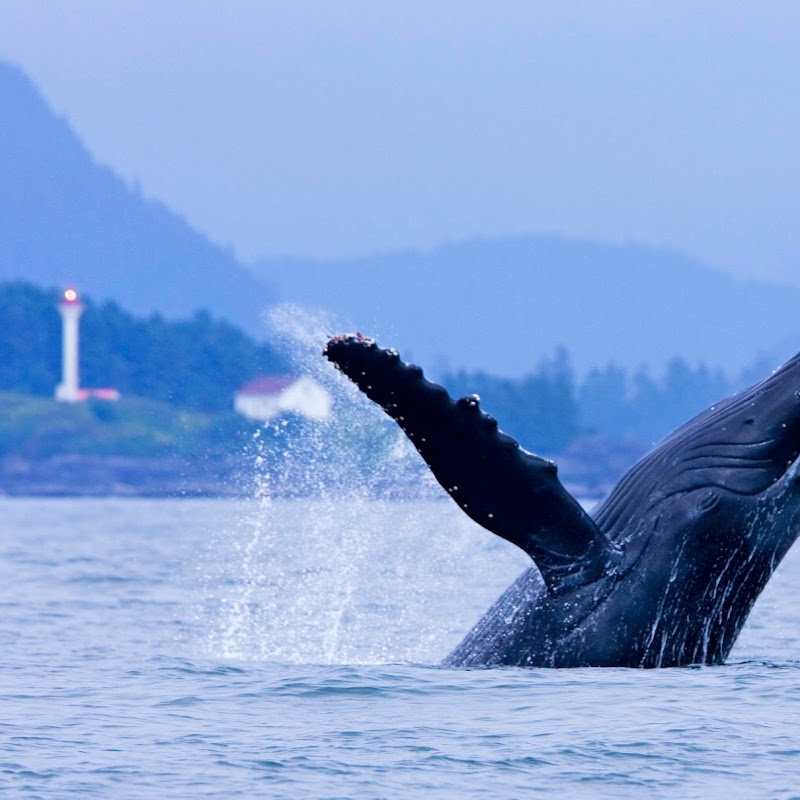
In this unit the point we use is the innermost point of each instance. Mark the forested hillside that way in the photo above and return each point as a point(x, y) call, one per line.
point(196, 363)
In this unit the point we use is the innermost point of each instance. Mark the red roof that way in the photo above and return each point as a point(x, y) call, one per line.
point(268, 384)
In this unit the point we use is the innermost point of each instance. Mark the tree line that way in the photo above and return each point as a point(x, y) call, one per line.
point(550, 408)
point(197, 363)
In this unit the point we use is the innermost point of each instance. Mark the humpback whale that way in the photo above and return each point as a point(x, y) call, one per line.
point(663, 573)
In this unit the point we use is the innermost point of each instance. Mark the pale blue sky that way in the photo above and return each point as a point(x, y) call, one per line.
point(343, 128)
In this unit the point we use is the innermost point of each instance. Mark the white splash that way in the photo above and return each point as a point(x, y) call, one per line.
point(320, 569)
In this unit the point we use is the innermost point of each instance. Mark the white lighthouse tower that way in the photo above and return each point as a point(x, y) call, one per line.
point(71, 308)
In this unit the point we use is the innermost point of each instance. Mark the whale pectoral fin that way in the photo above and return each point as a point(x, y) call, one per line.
point(507, 490)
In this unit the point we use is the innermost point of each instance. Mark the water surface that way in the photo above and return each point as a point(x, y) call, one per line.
point(288, 649)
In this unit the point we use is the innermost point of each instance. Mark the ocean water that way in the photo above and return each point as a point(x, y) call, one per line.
point(199, 648)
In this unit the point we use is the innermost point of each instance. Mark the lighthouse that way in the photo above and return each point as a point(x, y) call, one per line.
point(69, 390)
point(71, 308)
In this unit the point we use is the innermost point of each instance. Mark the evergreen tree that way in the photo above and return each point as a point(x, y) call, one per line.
point(539, 410)
point(603, 401)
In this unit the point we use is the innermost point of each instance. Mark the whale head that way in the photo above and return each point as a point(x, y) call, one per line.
point(745, 448)
point(705, 518)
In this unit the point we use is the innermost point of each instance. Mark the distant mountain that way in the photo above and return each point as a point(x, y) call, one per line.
point(497, 304)
point(501, 304)
point(64, 219)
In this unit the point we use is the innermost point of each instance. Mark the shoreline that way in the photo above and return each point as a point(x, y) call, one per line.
point(121, 476)
point(589, 475)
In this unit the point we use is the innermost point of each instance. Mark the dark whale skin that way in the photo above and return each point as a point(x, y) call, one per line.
point(666, 569)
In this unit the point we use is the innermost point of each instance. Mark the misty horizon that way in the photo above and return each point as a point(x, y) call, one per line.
point(340, 132)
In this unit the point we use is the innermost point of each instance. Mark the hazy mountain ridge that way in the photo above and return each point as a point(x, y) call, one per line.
point(500, 305)
point(497, 305)
point(64, 219)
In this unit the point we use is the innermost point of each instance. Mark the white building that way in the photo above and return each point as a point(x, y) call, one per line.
point(267, 397)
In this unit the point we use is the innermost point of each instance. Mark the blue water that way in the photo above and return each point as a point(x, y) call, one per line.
point(169, 649)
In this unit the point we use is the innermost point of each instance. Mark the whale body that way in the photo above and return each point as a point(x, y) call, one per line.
point(663, 573)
